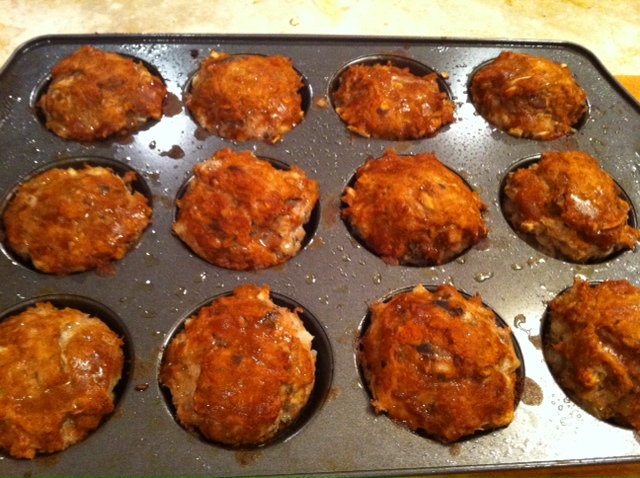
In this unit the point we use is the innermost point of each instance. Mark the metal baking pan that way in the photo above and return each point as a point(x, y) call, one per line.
point(333, 278)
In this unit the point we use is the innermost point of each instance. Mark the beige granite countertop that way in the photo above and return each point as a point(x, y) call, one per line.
point(610, 29)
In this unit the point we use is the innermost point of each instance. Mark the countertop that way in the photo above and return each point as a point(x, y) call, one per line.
point(609, 29)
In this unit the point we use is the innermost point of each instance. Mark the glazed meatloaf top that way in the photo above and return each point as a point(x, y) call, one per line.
point(387, 102)
point(529, 96)
point(240, 212)
point(412, 209)
point(242, 369)
point(72, 220)
point(58, 369)
point(592, 345)
point(247, 97)
point(96, 94)
point(570, 208)
point(440, 363)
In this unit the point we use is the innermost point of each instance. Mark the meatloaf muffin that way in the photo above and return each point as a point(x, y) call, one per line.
point(58, 369)
point(568, 207)
point(591, 342)
point(240, 212)
point(95, 94)
point(387, 102)
point(413, 210)
point(242, 369)
point(246, 97)
point(528, 96)
point(440, 363)
point(72, 220)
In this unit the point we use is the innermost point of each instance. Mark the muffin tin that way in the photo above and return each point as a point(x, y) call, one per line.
point(334, 278)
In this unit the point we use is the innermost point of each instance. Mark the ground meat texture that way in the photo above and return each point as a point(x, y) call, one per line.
point(528, 96)
point(240, 212)
point(439, 363)
point(413, 210)
point(58, 369)
point(96, 94)
point(592, 347)
point(568, 207)
point(387, 102)
point(68, 220)
point(246, 97)
point(242, 370)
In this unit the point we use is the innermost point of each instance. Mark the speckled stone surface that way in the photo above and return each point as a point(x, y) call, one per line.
point(608, 29)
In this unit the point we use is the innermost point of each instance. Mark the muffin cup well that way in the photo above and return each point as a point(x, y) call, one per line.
point(499, 321)
point(527, 162)
point(96, 310)
point(120, 169)
point(323, 374)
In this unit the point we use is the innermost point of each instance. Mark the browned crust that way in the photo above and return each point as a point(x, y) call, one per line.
point(413, 209)
point(247, 97)
point(569, 207)
point(528, 96)
point(68, 220)
point(438, 363)
point(240, 212)
point(58, 369)
point(592, 346)
point(387, 102)
point(96, 94)
point(242, 370)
